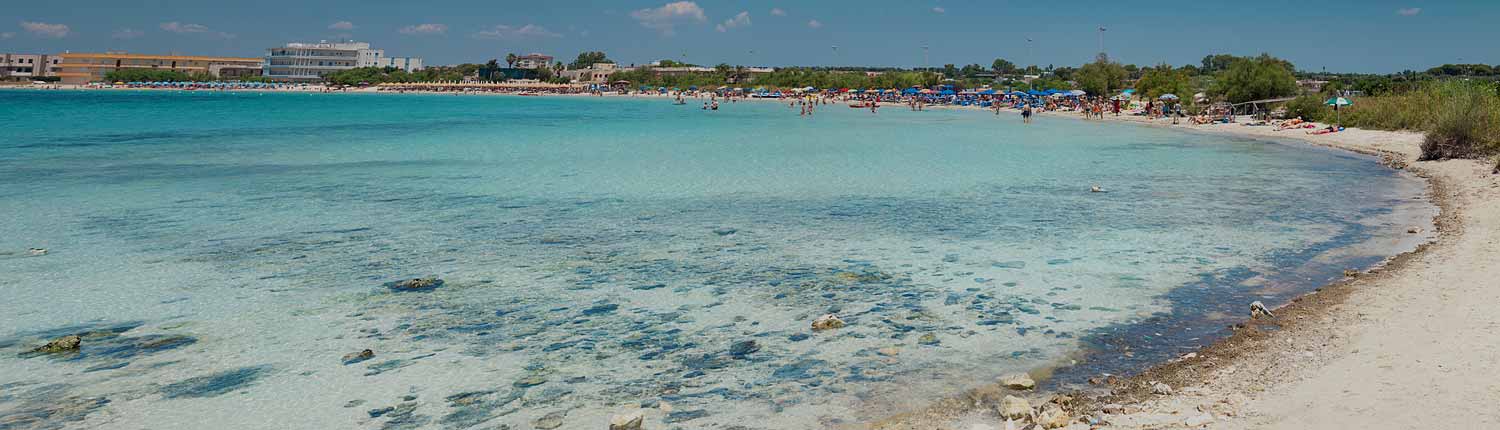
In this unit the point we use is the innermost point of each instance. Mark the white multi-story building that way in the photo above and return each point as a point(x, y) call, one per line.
point(533, 61)
point(27, 66)
point(313, 61)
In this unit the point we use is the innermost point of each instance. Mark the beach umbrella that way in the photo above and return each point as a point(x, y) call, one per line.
point(987, 92)
point(1077, 92)
point(1336, 102)
point(1168, 97)
point(947, 92)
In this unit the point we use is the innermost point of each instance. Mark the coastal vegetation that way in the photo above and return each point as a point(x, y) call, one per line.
point(1244, 79)
point(1461, 117)
point(377, 75)
point(166, 75)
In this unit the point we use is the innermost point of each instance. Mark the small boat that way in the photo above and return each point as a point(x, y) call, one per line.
point(528, 94)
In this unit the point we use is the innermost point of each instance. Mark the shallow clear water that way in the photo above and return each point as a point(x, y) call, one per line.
point(223, 251)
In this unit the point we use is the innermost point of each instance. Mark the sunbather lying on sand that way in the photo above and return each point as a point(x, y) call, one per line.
point(1330, 129)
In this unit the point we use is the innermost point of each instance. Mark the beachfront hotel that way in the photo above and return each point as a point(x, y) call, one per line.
point(533, 61)
point(26, 67)
point(310, 62)
point(82, 68)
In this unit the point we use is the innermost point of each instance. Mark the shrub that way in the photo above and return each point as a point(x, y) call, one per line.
point(1310, 108)
point(1465, 122)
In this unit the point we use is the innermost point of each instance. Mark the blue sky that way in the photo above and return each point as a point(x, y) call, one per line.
point(1351, 35)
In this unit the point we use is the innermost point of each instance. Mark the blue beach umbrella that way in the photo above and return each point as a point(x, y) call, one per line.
point(987, 92)
point(947, 92)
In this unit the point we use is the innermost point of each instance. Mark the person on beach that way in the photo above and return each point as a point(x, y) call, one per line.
point(1026, 114)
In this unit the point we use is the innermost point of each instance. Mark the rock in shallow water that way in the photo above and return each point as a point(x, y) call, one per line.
point(550, 421)
point(743, 348)
point(355, 357)
point(1017, 381)
point(62, 344)
point(827, 322)
point(628, 420)
point(415, 284)
point(928, 339)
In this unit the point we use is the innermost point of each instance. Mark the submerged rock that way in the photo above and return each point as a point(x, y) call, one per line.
point(550, 421)
point(928, 339)
point(743, 348)
point(827, 322)
point(415, 284)
point(1014, 407)
point(1017, 381)
point(628, 420)
point(725, 231)
point(215, 384)
point(355, 357)
point(63, 344)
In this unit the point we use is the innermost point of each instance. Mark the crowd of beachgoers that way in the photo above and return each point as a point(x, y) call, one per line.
point(806, 100)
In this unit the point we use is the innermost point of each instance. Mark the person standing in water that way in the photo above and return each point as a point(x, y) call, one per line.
point(1026, 114)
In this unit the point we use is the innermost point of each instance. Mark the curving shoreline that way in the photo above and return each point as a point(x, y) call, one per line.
point(1382, 349)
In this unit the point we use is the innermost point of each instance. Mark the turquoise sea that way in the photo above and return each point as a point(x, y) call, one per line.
point(221, 252)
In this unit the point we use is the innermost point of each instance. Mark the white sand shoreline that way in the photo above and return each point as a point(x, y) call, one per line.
point(1412, 344)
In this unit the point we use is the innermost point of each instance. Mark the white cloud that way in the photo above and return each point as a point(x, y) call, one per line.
point(127, 33)
point(740, 20)
point(7, 35)
point(665, 18)
point(1410, 11)
point(776, 11)
point(507, 32)
point(814, 24)
point(43, 29)
point(424, 29)
point(180, 28)
point(341, 25)
point(939, 9)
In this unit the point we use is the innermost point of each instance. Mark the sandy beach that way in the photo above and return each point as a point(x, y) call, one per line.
point(1411, 344)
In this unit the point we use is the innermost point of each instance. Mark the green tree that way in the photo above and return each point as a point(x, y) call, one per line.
point(1215, 63)
point(589, 58)
point(510, 59)
point(1101, 77)
point(1258, 78)
point(1163, 79)
point(1002, 66)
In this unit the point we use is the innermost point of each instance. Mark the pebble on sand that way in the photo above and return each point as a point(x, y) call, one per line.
point(1014, 407)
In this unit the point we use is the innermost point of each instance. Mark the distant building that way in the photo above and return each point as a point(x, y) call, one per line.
point(82, 68)
point(26, 67)
point(1311, 85)
point(533, 61)
point(310, 62)
point(596, 73)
